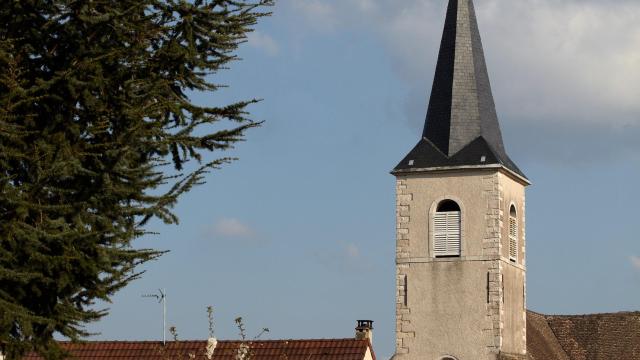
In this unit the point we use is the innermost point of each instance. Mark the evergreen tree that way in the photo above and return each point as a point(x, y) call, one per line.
point(98, 135)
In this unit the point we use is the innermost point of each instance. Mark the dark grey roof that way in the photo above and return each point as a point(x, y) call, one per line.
point(461, 125)
point(426, 155)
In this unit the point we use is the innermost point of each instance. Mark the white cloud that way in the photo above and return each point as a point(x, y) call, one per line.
point(364, 5)
point(570, 61)
point(352, 251)
point(343, 257)
point(319, 14)
point(231, 227)
point(635, 262)
point(263, 42)
point(566, 61)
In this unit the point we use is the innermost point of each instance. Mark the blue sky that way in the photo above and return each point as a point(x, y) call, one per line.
point(298, 235)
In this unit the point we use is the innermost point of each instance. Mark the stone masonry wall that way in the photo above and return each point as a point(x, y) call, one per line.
point(523, 242)
point(403, 323)
point(492, 246)
point(494, 190)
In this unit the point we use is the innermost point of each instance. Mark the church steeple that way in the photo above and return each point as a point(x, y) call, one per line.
point(460, 218)
point(461, 127)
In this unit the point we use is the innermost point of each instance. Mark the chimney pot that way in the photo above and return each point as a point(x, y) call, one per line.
point(364, 330)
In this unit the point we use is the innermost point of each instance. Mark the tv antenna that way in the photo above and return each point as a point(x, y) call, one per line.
point(161, 296)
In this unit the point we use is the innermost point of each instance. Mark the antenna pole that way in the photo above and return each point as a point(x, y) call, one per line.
point(164, 316)
point(162, 297)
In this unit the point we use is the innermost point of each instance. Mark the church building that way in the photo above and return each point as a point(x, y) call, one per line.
point(461, 234)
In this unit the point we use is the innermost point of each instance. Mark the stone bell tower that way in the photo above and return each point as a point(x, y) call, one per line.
point(460, 260)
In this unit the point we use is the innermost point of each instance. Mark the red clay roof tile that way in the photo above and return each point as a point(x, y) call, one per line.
point(329, 349)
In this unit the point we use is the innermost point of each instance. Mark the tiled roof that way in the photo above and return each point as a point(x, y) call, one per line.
point(549, 337)
point(542, 343)
point(583, 337)
point(477, 153)
point(329, 349)
point(598, 336)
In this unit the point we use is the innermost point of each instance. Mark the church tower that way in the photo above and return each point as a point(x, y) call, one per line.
point(460, 259)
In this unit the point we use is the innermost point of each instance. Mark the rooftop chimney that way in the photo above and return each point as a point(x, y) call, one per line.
point(364, 330)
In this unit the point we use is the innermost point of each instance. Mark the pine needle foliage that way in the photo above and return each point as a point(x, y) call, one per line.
point(97, 132)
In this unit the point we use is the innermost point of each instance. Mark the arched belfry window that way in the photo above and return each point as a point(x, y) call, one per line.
point(446, 229)
point(513, 234)
point(448, 358)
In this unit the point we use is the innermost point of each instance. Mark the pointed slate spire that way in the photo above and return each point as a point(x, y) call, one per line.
point(461, 127)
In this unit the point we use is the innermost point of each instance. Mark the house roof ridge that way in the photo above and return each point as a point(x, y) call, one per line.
point(636, 312)
point(205, 340)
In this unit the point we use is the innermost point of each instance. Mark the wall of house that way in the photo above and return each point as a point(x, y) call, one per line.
point(513, 193)
point(456, 306)
point(368, 355)
point(515, 326)
point(447, 306)
point(514, 312)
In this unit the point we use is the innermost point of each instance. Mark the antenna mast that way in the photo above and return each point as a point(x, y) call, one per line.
point(162, 297)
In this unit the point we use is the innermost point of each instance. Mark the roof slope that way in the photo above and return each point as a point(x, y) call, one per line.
point(542, 343)
point(329, 349)
point(425, 155)
point(549, 337)
point(461, 108)
point(598, 336)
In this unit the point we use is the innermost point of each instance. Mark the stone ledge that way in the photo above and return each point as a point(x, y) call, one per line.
point(504, 356)
point(418, 260)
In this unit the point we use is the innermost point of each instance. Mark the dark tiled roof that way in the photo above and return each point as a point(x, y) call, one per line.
point(425, 155)
point(542, 343)
point(329, 349)
point(461, 108)
point(583, 337)
point(598, 336)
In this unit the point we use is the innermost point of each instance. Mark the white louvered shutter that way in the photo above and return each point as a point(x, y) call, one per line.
point(440, 234)
point(446, 233)
point(513, 238)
